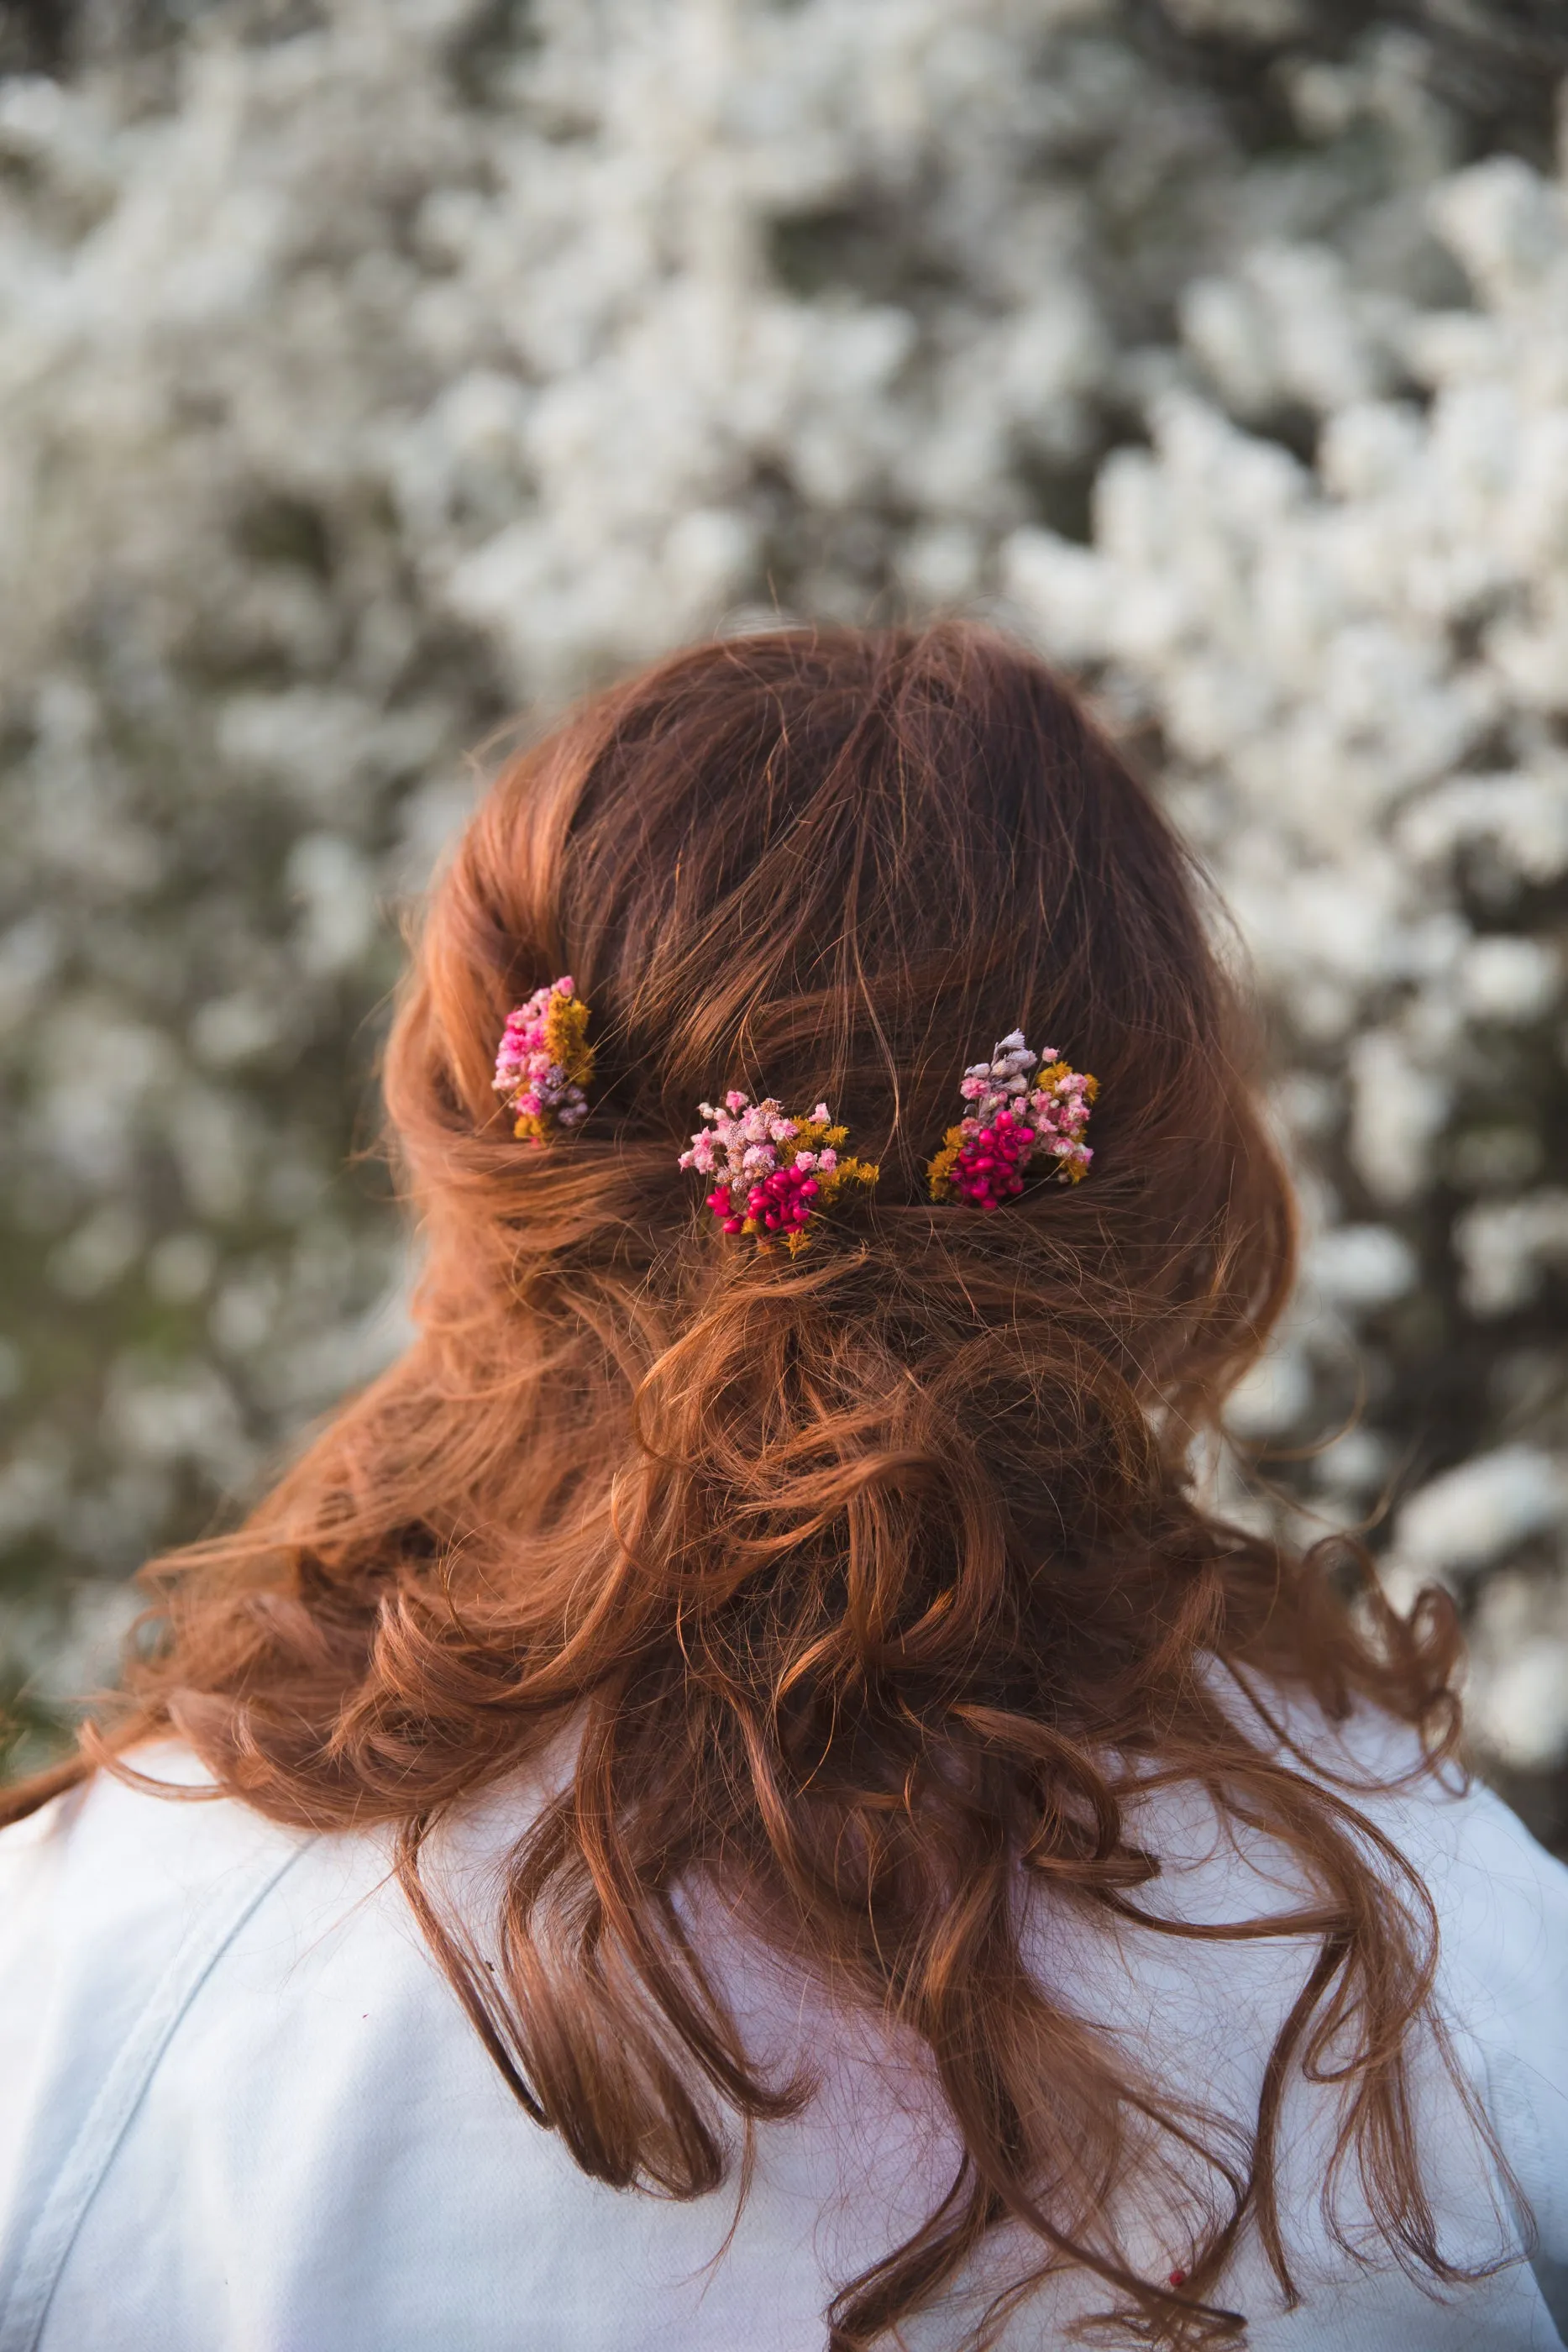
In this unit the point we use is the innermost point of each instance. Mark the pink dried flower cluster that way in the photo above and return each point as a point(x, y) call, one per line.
point(1014, 1115)
point(544, 1061)
point(772, 1172)
point(741, 1145)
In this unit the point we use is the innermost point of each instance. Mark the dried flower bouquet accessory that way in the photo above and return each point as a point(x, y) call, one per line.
point(1014, 1115)
point(544, 1062)
point(775, 1174)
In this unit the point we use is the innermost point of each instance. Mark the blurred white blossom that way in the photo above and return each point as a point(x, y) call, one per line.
point(1472, 1516)
point(372, 368)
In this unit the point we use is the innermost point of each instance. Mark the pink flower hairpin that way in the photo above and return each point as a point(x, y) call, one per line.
point(544, 1062)
point(774, 1173)
point(1014, 1115)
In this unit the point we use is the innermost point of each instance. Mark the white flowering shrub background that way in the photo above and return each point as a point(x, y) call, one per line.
point(374, 369)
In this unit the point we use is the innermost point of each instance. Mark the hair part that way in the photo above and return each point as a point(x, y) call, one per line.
point(866, 1581)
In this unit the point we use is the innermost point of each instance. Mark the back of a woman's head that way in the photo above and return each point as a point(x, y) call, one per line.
point(839, 866)
point(866, 1579)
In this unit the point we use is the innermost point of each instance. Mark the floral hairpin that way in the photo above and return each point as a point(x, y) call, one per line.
point(544, 1062)
point(1014, 1115)
point(774, 1173)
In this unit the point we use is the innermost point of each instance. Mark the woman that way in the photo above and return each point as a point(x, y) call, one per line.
point(746, 1803)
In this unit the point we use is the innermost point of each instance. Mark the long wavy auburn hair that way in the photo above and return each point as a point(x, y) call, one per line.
point(871, 1584)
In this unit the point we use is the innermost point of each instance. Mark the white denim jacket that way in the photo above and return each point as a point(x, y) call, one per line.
point(241, 2110)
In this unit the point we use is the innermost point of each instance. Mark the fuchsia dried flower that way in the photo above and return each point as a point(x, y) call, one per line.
point(774, 1173)
point(984, 1158)
point(544, 1062)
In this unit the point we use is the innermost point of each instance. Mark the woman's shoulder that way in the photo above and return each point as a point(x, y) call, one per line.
point(1499, 1906)
point(106, 1889)
point(122, 1908)
point(1498, 1898)
point(160, 1831)
point(132, 1905)
point(1501, 1898)
point(116, 1893)
point(1500, 1903)
point(236, 2096)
